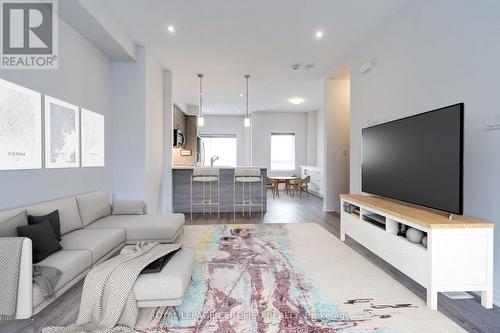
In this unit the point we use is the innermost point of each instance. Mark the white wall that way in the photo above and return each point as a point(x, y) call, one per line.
point(336, 126)
point(312, 136)
point(168, 113)
point(230, 125)
point(84, 78)
point(433, 54)
point(264, 123)
point(154, 133)
point(320, 138)
point(259, 140)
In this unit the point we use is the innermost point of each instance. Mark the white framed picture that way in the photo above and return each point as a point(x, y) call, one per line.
point(62, 134)
point(20, 127)
point(93, 138)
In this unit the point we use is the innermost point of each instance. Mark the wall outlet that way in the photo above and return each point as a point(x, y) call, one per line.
point(492, 122)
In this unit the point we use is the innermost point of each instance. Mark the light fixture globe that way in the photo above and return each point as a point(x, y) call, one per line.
point(247, 122)
point(201, 121)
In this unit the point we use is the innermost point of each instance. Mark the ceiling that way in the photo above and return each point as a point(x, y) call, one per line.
point(225, 39)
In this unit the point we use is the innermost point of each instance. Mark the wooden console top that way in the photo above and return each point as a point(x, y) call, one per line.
point(425, 217)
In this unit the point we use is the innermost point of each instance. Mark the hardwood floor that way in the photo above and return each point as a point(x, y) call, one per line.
point(467, 313)
point(284, 209)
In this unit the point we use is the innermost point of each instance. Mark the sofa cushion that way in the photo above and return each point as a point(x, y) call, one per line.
point(10, 220)
point(171, 283)
point(70, 263)
point(163, 228)
point(69, 216)
point(130, 207)
point(99, 242)
point(43, 237)
point(53, 219)
point(93, 206)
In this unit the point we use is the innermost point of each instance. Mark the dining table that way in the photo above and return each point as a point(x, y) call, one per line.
point(287, 180)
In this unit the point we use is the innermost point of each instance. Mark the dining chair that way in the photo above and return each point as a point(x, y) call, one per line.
point(304, 185)
point(291, 184)
point(273, 186)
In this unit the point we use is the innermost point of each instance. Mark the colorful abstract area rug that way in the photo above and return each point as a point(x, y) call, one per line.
point(288, 278)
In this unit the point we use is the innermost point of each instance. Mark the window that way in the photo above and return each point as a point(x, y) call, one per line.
point(221, 145)
point(282, 151)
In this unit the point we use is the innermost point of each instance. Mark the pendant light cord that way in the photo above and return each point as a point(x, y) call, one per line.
point(200, 112)
point(248, 119)
point(247, 113)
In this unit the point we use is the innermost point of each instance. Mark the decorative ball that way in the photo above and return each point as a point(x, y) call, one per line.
point(424, 241)
point(414, 235)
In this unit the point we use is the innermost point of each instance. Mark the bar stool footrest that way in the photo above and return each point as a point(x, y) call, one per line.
point(204, 204)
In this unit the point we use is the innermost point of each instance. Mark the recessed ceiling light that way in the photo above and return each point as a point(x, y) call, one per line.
point(171, 29)
point(241, 94)
point(296, 100)
point(319, 34)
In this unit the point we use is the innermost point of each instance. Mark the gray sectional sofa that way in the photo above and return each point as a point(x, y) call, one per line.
point(91, 234)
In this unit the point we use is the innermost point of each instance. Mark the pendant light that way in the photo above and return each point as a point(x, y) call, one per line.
point(247, 121)
point(201, 120)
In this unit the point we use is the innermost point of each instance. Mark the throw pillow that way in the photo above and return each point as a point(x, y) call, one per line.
point(43, 238)
point(93, 206)
point(53, 219)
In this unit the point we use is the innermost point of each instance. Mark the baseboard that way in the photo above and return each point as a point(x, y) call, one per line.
point(317, 195)
point(496, 297)
point(331, 208)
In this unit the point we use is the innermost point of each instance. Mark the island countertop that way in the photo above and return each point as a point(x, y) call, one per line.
point(188, 167)
point(181, 181)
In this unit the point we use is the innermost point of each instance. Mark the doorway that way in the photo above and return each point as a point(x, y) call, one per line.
point(337, 138)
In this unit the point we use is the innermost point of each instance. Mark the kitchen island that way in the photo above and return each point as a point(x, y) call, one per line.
point(181, 178)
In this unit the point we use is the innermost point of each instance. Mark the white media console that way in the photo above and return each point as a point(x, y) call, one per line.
point(459, 252)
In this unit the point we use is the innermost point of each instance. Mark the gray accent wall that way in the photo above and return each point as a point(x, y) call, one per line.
point(84, 78)
point(129, 128)
point(138, 146)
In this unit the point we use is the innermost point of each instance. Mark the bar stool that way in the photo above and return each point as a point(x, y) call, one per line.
point(206, 176)
point(248, 176)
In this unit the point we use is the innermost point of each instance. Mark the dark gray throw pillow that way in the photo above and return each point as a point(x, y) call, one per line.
point(54, 221)
point(43, 238)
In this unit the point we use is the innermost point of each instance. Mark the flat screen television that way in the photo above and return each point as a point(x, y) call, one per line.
point(418, 159)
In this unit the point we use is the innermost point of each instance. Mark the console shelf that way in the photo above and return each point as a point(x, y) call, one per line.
point(459, 253)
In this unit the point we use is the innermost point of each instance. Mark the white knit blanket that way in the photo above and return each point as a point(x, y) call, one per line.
point(108, 300)
point(10, 263)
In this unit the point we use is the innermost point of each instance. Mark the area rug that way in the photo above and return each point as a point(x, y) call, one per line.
point(288, 278)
